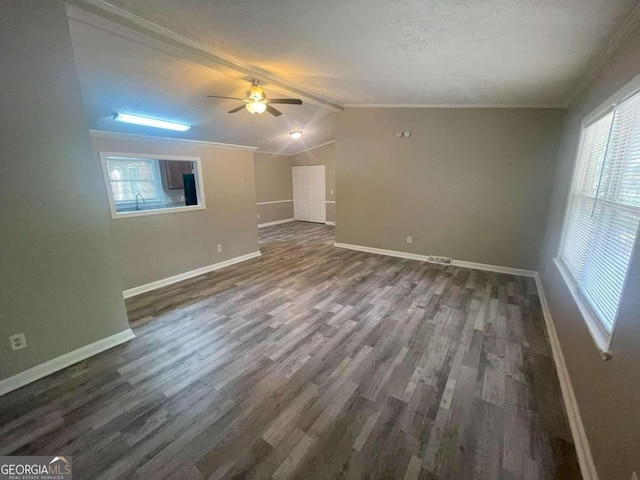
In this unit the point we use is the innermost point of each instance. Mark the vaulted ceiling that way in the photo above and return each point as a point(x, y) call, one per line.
point(161, 57)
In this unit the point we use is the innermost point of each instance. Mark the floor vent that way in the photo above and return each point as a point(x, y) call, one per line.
point(442, 260)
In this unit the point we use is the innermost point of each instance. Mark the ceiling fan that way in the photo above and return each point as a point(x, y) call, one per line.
point(256, 101)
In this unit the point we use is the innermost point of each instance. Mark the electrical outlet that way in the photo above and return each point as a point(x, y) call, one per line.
point(18, 341)
point(442, 260)
point(409, 239)
point(330, 192)
point(258, 216)
point(219, 248)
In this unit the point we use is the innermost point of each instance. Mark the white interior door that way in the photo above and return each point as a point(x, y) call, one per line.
point(309, 193)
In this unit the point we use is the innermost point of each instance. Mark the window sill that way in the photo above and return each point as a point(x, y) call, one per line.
point(601, 338)
point(156, 211)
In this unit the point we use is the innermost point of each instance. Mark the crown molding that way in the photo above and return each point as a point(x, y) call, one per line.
point(187, 48)
point(449, 105)
point(135, 136)
point(628, 26)
point(313, 148)
point(298, 152)
point(266, 152)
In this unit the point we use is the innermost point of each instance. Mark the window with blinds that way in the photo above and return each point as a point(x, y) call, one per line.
point(133, 176)
point(604, 210)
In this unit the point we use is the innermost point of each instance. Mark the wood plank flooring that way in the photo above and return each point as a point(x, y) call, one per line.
point(312, 362)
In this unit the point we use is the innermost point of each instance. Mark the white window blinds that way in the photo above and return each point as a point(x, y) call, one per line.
point(604, 210)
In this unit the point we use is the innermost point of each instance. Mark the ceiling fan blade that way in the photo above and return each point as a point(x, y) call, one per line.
point(273, 111)
point(220, 96)
point(237, 109)
point(289, 101)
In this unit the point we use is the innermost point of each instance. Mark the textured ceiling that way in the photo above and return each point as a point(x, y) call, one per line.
point(160, 58)
point(467, 52)
point(121, 70)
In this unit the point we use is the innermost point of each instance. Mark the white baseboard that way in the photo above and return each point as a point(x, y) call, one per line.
point(587, 465)
point(330, 223)
point(277, 222)
point(381, 251)
point(132, 292)
point(63, 361)
point(495, 268)
point(425, 258)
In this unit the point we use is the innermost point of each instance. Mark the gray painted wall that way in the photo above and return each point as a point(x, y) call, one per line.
point(325, 155)
point(607, 392)
point(273, 183)
point(471, 184)
point(274, 212)
point(59, 283)
point(155, 247)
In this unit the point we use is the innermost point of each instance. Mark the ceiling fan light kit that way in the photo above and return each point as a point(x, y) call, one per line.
point(256, 107)
point(256, 102)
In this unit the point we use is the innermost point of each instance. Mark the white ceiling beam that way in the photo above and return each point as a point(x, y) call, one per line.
point(193, 50)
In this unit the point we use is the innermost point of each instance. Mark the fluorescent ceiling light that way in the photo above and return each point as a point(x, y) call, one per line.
point(296, 134)
point(150, 122)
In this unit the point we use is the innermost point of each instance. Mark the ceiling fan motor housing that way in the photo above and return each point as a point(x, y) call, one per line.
point(255, 101)
point(256, 93)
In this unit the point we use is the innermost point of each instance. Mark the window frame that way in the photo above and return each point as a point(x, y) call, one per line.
point(599, 334)
point(197, 161)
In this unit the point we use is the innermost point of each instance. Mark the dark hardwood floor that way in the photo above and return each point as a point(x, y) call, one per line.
point(312, 362)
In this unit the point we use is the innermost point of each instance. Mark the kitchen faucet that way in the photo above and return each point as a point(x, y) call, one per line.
point(143, 202)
